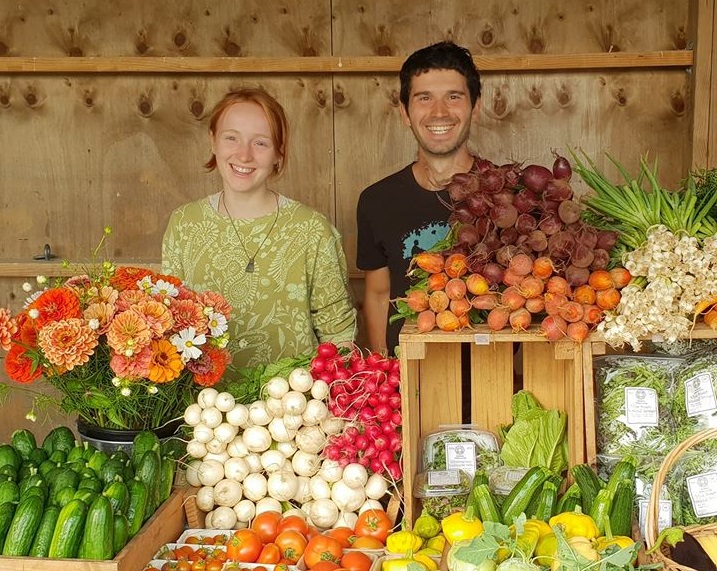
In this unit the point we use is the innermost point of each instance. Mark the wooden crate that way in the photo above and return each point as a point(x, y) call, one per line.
point(164, 526)
point(432, 392)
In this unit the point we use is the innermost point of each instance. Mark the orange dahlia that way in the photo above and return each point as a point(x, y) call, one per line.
point(20, 366)
point(26, 333)
point(128, 333)
point(126, 277)
point(210, 367)
point(166, 364)
point(8, 328)
point(56, 304)
point(68, 343)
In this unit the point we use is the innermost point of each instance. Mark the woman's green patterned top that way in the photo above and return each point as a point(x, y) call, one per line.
point(297, 295)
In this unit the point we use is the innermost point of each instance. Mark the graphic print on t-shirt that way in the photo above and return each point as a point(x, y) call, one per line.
point(423, 239)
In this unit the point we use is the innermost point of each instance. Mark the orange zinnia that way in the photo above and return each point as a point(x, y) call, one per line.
point(157, 316)
point(134, 367)
point(187, 313)
point(56, 304)
point(216, 301)
point(102, 312)
point(166, 364)
point(68, 343)
point(210, 367)
point(128, 333)
point(20, 367)
point(8, 328)
point(126, 277)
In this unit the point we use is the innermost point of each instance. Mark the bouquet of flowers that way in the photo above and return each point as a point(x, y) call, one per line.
point(127, 348)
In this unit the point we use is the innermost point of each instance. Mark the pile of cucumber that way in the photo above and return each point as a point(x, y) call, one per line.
point(64, 499)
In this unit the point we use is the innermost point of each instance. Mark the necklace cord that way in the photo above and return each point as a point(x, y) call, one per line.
point(250, 264)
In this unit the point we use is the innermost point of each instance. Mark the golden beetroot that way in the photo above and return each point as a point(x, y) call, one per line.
point(430, 262)
point(530, 287)
point(477, 284)
point(577, 331)
point(460, 306)
point(554, 327)
point(521, 264)
point(417, 300)
point(535, 304)
point(520, 319)
point(592, 314)
point(584, 295)
point(553, 302)
point(498, 318)
point(437, 281)
point(558, 284)
point(571, 311)
point(607, 298)
point(438, 301)
point(543, 267)
point(486, 301)
point(620, 277)
point(426, 321)
point(510, 278)
point(512, 298)
point(600, 280)
point(447, 321)
point(456, 265)
point(456, 288)
point(710, 318)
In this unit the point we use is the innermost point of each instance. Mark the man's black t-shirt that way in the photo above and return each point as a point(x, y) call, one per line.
point(396, 219)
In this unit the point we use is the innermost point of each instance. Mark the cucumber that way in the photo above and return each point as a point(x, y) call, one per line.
point(519, 497)
point(25, 523)
point(110, 470)
point(97, 537)
point(59, 438)
point(118, 495)
point(68, 531)
point(9, 492)
point(63, 497)
point(589, 484)
point(147, 470)
point(8, 472)
point(144, 440)
point(8, 455)
point(77, 452)
point(24, 442)
point(90, 483)
point(41, 544)
point(167, 468)
point(138, 500)
point(120, 532)
point(7, 511)
point(97, 459)
point(62, 479)
point(623, 508)
point(86, 495)
point(38, 456)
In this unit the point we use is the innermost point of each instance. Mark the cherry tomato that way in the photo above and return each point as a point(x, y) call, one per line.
point(214, 565)
point(199, 565)
point(244, 546)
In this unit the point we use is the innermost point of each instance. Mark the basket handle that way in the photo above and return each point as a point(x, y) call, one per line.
point(653, 507)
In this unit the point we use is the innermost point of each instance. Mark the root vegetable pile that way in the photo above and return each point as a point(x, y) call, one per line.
point(518, 253)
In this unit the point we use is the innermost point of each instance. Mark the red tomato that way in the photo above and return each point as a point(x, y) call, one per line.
point(294, 523)
point(199, 565)
point(366, 542)
point(291, 544)
point(244, 546)
point(345, 535)
point(214, 565)
point(325, 566)
point(266, 525)
point(270, 554)
point(322, 548)
point(356, 561)
point(373, 523)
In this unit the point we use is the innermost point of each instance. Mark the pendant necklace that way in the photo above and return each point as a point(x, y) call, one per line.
point(250, 265)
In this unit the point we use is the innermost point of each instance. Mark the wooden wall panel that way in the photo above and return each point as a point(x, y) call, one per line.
point(491, 27)
point(86, 152)
point(165, 28)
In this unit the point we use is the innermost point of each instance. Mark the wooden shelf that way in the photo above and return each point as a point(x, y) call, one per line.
point(335, 64)
point(57, 268)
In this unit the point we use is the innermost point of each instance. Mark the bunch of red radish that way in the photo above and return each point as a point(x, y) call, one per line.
point(365, 392)
point(520, 250)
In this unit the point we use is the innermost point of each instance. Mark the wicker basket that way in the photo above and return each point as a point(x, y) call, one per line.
point(663, 554)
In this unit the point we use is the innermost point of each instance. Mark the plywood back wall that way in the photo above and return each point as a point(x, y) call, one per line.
point(79, 152)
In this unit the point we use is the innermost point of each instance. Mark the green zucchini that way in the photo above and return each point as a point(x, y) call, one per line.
point(623, 508)
point(7, 511)
point(138, 501)
point(600, 509)
point(68, 531)
point(519, 497)
point(97, 537)
point(41, 544)
point(569, 499)
point(24, 442)
point(548, 501)
point(487, 508)
point(625, 469)
point(25, 523)
point(589, 484)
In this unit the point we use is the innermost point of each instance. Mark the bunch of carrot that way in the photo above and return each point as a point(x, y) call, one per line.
point(453, 297)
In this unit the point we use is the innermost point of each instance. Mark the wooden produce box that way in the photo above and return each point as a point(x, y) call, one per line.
point(165, 526)
point(432, 392)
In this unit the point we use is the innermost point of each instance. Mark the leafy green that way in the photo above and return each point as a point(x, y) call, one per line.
point(537, 437)
point(700, 374)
